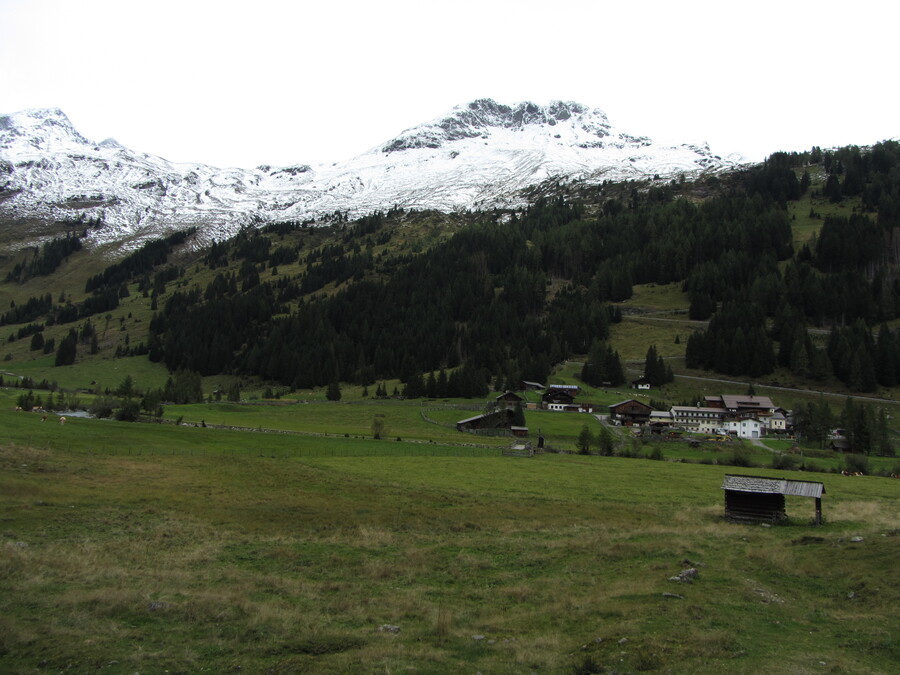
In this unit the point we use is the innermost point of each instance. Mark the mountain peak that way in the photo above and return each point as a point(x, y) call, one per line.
point(38, 129)
point(482, 116)
point(525, 112)
point(482, 154)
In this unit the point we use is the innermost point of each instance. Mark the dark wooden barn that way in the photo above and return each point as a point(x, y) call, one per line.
point(500, 419)
point(509, 399)
point(761, 499)
point(560, 394)
point(630, 412)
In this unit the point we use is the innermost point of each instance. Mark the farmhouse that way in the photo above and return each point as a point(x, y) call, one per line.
point(500, 419)
point(560, 397)
point(630, 412)
point(641, 383)
point(761, 499)
point(509, 400)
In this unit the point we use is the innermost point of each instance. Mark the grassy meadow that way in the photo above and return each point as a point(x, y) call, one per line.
point(260, 562)
point(155, 547)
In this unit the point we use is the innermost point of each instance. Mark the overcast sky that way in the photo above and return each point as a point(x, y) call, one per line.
point(246, 83)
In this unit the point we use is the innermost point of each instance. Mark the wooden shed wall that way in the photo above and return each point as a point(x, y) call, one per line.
point(754, 506)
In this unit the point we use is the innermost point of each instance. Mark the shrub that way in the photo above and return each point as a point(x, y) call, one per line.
point(856, 464)
point(129, 411)
point(103, 406)
point(780, 461)
point(739, 457)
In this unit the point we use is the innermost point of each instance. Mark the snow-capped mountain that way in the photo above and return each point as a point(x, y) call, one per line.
point(479, 155)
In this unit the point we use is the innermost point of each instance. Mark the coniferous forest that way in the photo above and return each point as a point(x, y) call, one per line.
point(512, 298)
point(510, 294)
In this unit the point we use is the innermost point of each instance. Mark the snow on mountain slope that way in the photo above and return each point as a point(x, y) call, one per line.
point(479, 155)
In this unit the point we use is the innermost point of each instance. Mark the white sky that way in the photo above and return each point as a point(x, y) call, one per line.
point(245, 83)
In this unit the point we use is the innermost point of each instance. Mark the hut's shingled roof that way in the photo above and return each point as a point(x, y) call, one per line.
point(793, 488)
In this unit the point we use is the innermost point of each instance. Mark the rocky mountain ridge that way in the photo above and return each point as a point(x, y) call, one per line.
point(480, 155)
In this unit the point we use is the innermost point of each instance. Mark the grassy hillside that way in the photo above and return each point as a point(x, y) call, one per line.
point(655, 314)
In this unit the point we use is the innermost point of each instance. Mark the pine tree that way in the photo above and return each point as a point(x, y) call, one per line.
point(585, 440)
point(518, 419)
point(68, 349)
point(377, 427)
point(333, 393)
point(799, 359)
point(126, 389)
point(883, 444)
point(650, 367)
point(605, 441)
point(702, 306)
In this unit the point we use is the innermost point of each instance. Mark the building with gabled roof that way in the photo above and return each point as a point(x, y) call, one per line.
point(509, 399)
point(737, 404)
point(705, 419)
point(630, 412)
point(499, 419)
point(759, 498)
point(641, 383)
point(525, 385)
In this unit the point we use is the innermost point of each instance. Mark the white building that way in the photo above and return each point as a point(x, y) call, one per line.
point(745, 427)
point(777, 422)
point(699, 419)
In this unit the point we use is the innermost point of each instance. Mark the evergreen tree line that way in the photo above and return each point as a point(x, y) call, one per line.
point(478, 299)
point(865, 429)
point(656, 371)
point(847, 277)
point(481, 299)
point(871, 174)
point(25, 331)
point(33, 308)
point(50, 256)
point(735, 342)
point(603, 366)
point(150, 255)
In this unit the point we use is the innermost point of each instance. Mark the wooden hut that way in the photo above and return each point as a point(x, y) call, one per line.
point(761, 499)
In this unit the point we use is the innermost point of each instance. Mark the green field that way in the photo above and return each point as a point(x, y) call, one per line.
point(256, 561)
